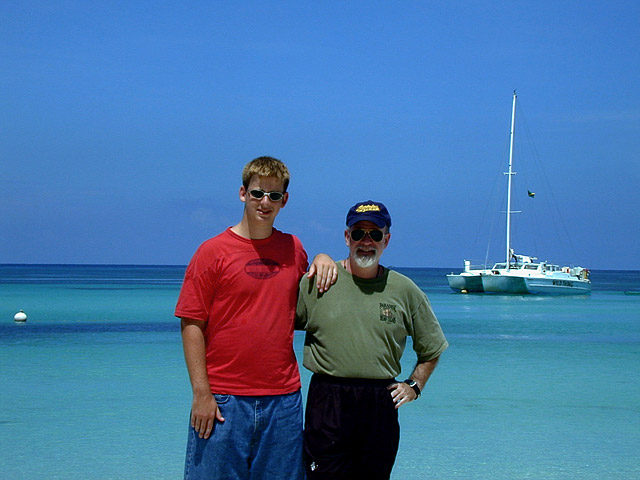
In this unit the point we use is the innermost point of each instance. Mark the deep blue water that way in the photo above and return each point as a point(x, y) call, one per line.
point(94, 384)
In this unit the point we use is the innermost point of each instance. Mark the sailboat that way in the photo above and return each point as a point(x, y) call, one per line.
point(520, 274)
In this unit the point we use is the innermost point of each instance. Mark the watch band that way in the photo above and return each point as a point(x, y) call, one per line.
point(413, 384)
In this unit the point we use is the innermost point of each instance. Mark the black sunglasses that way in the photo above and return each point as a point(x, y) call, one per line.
point(273, 196)
point(358, 234)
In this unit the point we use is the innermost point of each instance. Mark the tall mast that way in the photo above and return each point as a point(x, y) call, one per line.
point(510, 174)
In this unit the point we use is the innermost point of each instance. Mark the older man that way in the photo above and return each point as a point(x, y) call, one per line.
point(356, 334)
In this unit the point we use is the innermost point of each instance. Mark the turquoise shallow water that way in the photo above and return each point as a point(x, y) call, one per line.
point(94, 385)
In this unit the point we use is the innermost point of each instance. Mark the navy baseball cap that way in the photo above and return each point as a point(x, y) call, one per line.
point(372, 211)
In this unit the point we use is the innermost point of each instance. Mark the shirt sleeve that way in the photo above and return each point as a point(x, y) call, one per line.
point(197, 290)
point(428, 338)
point(301, 308)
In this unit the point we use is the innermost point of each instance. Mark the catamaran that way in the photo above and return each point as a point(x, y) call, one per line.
point(520, 274)
point(469, 280)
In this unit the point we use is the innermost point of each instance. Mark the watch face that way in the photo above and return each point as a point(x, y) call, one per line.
point(413, 384)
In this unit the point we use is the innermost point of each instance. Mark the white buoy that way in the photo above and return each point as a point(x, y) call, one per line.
point(20, 317)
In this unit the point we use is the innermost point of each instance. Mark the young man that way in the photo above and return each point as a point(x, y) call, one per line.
point(237, 307)
point(356, 334)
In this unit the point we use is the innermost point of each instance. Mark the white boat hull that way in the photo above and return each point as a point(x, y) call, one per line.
point(548, 285)
point(465, 282)
point(556, 286)
point(493, 283)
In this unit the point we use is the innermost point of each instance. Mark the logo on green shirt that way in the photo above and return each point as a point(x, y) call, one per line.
point(387, 313)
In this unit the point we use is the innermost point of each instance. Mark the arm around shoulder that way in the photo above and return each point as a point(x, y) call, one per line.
point(325, 270)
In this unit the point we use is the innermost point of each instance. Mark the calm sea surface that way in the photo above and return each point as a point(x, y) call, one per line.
point(94, 386)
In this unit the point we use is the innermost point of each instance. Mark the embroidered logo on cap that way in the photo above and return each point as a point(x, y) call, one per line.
point(367, 208)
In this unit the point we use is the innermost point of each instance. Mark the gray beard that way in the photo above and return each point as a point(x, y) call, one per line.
point(366, 261)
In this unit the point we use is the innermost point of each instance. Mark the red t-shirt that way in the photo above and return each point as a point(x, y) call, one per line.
point(246, 291)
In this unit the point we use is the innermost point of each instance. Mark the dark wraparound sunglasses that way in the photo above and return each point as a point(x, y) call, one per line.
point(273, 196)
point(358, 234)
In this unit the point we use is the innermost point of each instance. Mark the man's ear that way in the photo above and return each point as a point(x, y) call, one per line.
point(243, 194)
point(387, 237)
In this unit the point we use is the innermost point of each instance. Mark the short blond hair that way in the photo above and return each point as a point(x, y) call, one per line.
point(266, 167)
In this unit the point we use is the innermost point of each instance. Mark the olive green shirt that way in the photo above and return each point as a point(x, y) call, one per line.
point(358, 329)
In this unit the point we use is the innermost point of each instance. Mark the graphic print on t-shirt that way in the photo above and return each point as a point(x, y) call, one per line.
point(387, 313)
point(262, 268)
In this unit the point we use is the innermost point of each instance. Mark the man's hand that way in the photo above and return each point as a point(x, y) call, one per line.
point(204, 413)
point(325, 270)
point(204, 409)
point(401, 394)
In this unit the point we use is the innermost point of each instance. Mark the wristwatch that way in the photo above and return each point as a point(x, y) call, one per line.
point(413, 384)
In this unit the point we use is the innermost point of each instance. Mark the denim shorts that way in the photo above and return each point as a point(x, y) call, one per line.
point(260, 439)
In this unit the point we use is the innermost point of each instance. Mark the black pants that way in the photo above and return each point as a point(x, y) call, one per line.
point(351, 429)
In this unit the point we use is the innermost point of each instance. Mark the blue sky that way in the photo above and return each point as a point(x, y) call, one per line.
point(125, 125)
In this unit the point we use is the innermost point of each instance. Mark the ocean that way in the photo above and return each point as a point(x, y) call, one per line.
point(94, 386)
